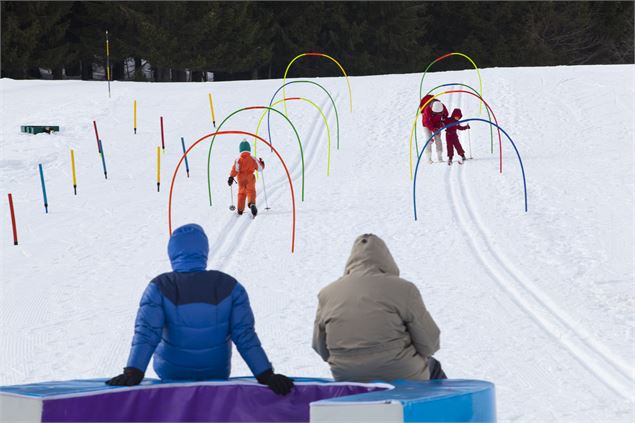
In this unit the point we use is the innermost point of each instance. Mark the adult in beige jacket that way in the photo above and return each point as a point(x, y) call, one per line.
point(371, 324)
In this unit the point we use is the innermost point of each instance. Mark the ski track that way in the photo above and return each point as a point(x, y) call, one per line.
point(237, 228)
point(588, 351)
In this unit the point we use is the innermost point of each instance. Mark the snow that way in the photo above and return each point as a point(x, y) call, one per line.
point(540, 303)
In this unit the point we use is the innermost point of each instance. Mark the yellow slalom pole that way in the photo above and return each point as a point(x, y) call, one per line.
point(108, 62)
point(74, 175)
point(211, 107)
point(158, 168)
point(135, 116)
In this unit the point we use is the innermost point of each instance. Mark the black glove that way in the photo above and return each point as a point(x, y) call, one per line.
point(279, 384)
point(230, 181)
point(131, 376)
point(262, 163)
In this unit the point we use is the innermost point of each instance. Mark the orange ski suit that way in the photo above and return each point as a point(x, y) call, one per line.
point(244, 168)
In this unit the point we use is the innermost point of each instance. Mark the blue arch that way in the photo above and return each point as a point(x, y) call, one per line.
point(414, 184)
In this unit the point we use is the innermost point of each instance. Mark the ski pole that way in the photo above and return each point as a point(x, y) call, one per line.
point(264, 186)
point(231, 198)
point(469, 140)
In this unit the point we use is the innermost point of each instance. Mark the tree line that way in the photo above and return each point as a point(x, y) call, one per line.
point(179, 41)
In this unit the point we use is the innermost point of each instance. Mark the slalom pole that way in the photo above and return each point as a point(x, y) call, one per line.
point(158, 169)
point(162, 137)
point(211, 107)
point(187, 166)
point(264, 186)
point(15, 231)
point(469, 140)
point(97, 136)
point(135, 116)
point(73, 168)
point(108, 62)
point(103, 159)
point(46, 203)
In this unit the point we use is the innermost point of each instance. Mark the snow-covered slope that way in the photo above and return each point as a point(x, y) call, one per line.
point(540, 303)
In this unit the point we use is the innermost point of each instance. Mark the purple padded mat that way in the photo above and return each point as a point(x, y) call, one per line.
point(198, 403)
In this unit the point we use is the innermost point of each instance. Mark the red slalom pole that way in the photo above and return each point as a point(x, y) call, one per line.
point(15, 231)
point(97, 136)
point(162, 137)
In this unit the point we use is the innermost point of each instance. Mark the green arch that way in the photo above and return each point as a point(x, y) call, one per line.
point(328, 130)
point(337, 117)
point(209, 153)
point(438, 59)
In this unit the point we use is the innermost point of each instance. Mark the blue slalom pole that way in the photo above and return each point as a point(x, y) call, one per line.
point(46, 203)
point(414, 184)
point(103, 159)
point(187, 166)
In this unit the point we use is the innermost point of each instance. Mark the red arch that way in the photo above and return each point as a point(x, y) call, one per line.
point(176, 170)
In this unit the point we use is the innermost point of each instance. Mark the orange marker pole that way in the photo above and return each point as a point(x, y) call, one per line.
point(158, 169)
point(74, 175)
point(135, 117)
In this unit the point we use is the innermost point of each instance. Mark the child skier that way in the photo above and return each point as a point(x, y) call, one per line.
point(244, 167)
point(452, 138)
point(433, 119)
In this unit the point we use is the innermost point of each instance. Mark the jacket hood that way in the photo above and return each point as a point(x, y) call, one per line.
point(188, 249)
point(456, 114)
point(371, 255)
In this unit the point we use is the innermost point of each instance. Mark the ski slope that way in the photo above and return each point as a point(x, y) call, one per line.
point(540, 303)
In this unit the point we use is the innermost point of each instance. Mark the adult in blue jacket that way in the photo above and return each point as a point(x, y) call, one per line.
point(187, 319)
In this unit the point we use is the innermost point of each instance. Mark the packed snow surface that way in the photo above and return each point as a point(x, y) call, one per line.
point(539, 302)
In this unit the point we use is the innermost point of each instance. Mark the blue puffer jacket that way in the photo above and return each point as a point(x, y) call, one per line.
point(188, 317)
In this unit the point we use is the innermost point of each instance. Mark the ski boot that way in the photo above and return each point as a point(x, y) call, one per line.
point(254, 209)
point(449, 162)
point(239, 212)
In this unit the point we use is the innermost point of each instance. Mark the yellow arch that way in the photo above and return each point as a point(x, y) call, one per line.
point(326, 123)
point(284, 78)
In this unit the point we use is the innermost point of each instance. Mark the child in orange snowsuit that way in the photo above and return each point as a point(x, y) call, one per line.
point(244, 167)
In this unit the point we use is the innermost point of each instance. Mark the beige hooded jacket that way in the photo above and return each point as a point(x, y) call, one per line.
point(371, 324)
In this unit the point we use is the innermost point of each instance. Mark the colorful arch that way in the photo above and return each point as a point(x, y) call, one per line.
point(489, 117)
point(328, 129)
point(284, 78)
point(438, 59)
point(209, 153)
point(419, 111)
point(414, 185)
point(214, 134)
point(337, 118)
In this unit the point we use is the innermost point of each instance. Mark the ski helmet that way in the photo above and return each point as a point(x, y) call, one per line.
point(244, 146)
point(437, 107)
point(456, 113)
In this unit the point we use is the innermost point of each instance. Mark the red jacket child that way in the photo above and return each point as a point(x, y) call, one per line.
point(451, 136)
point(244, 168)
